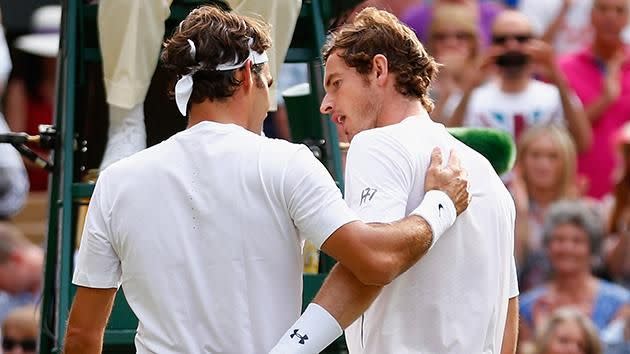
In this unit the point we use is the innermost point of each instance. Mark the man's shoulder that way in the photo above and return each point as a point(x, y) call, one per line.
point(281, 145)
point(395, 137)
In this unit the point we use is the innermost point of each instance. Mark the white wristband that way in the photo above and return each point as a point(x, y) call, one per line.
point(439, 212)
point(311, 333)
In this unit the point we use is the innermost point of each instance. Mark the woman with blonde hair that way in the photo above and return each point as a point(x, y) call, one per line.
point(568, 331)
point(454, 42)
point(545, 172)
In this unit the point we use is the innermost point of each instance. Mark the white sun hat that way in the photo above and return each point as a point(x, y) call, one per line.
point(44, 41)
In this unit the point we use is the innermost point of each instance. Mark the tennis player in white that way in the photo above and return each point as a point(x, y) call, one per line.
point(461, 297)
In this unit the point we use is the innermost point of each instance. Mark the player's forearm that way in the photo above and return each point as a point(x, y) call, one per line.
point(380, 252)
point(344, 296)
point(339, 302)
point(80, 342)
point(403, 243)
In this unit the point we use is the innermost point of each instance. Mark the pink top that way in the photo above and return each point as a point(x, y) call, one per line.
point(585, 74)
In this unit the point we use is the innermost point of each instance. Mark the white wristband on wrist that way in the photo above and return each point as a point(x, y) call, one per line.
point(439, 212)
point(310, 334)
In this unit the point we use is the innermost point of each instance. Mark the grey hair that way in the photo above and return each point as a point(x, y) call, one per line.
point(576, 213)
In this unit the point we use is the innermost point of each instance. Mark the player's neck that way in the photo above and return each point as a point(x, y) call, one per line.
point(228, 112)
point(396, 110)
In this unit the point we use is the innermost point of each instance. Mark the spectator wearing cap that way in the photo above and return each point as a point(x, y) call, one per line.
point(600, 76)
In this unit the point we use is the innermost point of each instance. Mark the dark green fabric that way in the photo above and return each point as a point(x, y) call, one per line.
point(496, 146)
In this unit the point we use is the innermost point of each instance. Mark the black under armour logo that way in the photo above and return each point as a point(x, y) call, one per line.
point(440, 207)
point(303, 338)
point(367, 194)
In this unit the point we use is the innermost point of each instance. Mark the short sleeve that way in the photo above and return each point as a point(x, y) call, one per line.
point(98, 265)
point(513, 290)
point(513, 279)
point(378, 177)
point(313, 199)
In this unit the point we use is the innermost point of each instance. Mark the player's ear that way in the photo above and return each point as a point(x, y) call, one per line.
point(380, 68)
point(246, 75)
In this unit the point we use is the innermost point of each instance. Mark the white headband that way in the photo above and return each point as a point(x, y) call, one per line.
point(184, 86)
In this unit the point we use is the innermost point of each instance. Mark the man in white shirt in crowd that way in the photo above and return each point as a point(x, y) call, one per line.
point(461, 297)
point(204, 231)
point(515, 101)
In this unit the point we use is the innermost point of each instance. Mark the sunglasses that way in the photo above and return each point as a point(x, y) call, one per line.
point(460, 36)
point(27, 345)
point(502, 39)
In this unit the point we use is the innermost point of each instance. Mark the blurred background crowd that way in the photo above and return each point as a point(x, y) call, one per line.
point(553, 73)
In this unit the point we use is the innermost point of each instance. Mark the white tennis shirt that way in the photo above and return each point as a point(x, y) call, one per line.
point(455, 299)
point(204, 232)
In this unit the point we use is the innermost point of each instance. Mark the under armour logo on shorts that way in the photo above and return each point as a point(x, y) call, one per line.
point(303, 338)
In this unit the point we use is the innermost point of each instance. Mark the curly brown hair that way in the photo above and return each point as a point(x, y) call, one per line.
point(219, 37)
point(375, 32)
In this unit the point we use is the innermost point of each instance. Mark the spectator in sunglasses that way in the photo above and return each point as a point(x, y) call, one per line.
point(516, 101)
point(20, 330)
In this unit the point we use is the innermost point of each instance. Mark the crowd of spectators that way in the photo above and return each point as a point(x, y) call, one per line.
point(556, 76)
